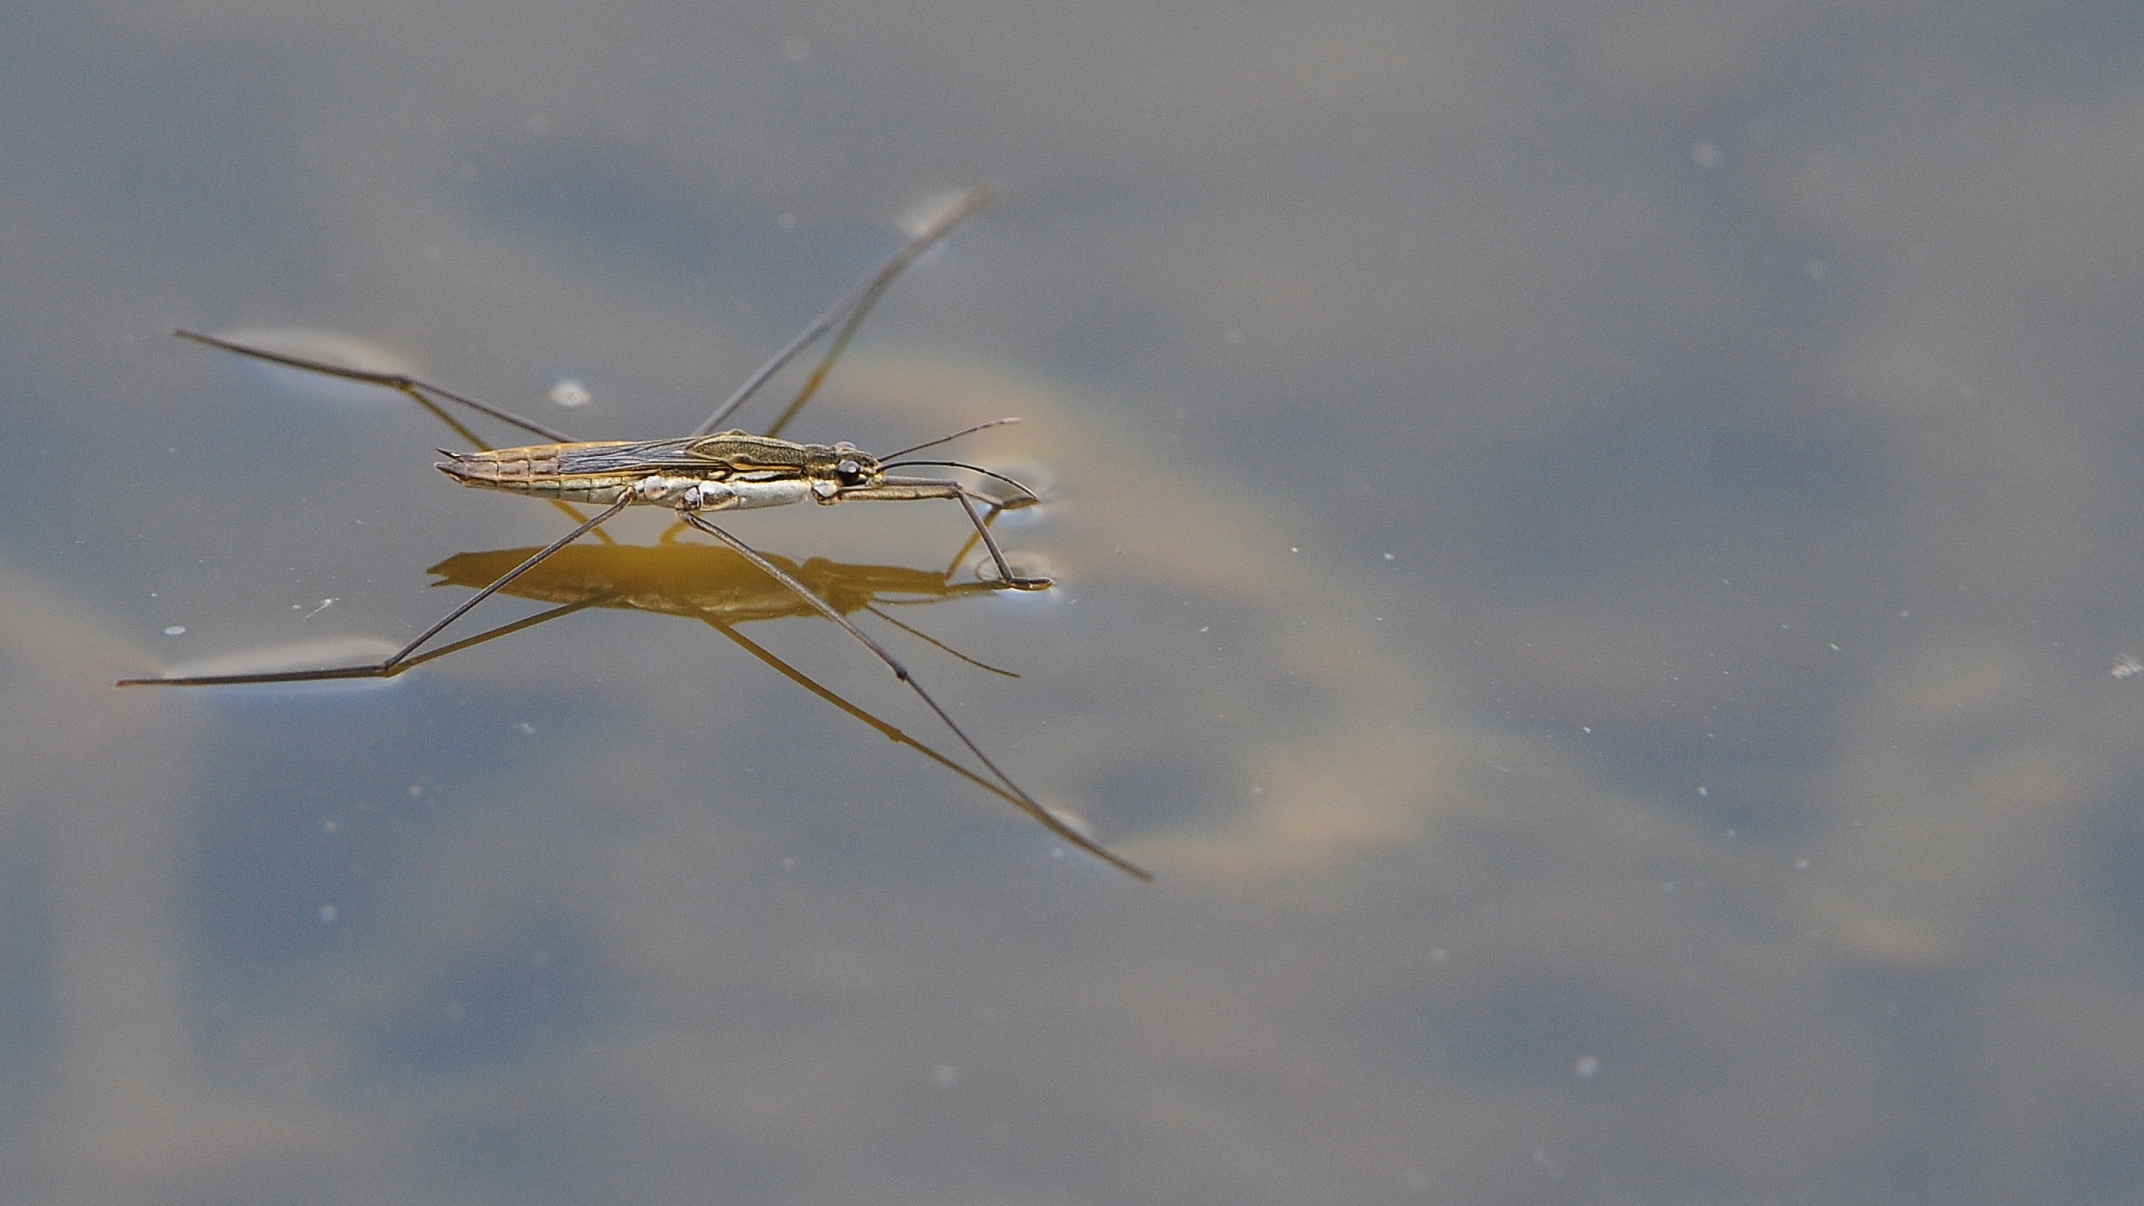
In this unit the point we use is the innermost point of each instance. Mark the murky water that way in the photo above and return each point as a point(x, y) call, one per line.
point(1590, 545)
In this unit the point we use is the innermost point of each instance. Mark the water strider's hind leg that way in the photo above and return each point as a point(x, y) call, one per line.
point(388, 667)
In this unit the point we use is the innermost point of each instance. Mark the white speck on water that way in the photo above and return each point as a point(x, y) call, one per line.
point(526, 728)
point(175, 630)
point(570, 394)
point(327, 914)
point(1388, 557)
point(1705, 155)
point(1586, 1068)
point(945, 1075)
point(1704, 791)
point(327, 826)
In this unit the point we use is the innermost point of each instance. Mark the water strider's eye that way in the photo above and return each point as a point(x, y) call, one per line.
point(852, 474)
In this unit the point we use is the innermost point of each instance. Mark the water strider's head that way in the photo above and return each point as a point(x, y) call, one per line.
point(840, 467)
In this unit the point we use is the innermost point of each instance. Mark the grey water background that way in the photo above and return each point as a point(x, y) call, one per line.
point(1591, 543)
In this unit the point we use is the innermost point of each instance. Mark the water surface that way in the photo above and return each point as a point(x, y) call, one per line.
point(1590, 546)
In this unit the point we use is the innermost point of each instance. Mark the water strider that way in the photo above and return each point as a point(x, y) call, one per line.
point(706, 471)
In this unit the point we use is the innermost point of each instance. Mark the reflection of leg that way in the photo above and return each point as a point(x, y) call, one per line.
point(391, 666)
point(1025, 802)
point(896, 735)
point(935, 643)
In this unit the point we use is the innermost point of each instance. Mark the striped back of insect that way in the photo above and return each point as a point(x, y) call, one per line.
point(749, 470)
point(595, 472)
point(842, 464)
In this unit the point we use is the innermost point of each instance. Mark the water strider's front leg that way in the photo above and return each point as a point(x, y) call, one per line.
point(1005, 574)
point(916, 488)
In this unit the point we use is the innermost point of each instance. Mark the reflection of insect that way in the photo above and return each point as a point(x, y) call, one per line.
point(720, 588)
point(701, 472)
